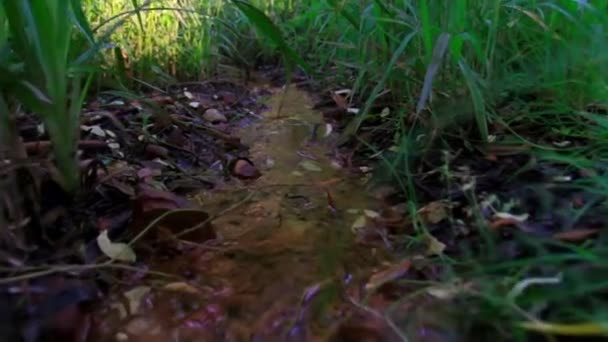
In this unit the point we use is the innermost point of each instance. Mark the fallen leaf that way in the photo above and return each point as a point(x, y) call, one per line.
point(181, 287)
point(310, 165)
point(577, 329)
point(328, 129)
point(385, 112)
point(148, 173)
point(359, 223)
point(434, 212)
point(371, 214)
point(95, 130)
point(135, 296)
point(188, 95)
point(194, 104)
point(508, 216)
point(435, 247)
point(150, 203)
point(449, 291)
point(155, 151)
point(391, 273)
point(213, 115)
point(117, 251)
point(340, 101)
point(502, 222)
point(575, 235)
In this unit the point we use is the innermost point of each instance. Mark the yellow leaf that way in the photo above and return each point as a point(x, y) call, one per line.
point(435, 247)
point(117, 251)
point(577, 329)
point(181, 287)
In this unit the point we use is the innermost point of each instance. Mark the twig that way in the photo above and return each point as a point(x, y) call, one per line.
point(73, 268)
point(198, 226)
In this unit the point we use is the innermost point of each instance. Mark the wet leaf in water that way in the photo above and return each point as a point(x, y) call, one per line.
point(116, 251)
point(576, 235)
point(391, 273)
point(310, 165)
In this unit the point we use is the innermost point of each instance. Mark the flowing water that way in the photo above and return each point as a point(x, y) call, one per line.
point(286, 247)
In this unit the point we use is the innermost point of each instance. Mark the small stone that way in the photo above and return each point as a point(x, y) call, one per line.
point(213, 115)
point(244, 169)
point(121, 337)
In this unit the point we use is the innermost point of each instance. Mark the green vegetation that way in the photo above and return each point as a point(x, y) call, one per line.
point(421, 74)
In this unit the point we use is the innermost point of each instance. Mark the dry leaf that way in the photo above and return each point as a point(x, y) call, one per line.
point(575, 235)
point(576, 329)
point(213, 115)
point(359, 223)
point(434, 212)
point(181, 287)
point(116, 251)
point(435, 247)
point(309, 165)
point(340, 101)
point(393, 272)
point(135, 296)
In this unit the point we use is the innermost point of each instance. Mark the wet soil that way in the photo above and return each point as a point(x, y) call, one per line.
point(282, 252)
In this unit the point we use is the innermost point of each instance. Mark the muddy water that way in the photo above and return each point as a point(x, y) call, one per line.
point(288, 236)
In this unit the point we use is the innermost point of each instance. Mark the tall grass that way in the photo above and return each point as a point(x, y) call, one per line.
point(42, 71)
point(185, 39)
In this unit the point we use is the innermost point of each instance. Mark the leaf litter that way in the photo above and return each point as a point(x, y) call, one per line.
point(272, 256)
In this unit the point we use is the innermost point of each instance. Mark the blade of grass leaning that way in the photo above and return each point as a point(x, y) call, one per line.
point(268, 29)
point(355, 123)
point(477, 99)
point(438, 52)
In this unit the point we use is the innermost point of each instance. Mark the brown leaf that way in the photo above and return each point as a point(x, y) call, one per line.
point(155, 151)
point(391, 273)
point(228, 97)
point(162, 99)
point(503, 222)
point(151, 203)
point(434, 212)
point(576, 235)
point(182, 287)
point(146, 173)
point(340, 101)
point(177, 137)
point(120, 186)
point(244, 169)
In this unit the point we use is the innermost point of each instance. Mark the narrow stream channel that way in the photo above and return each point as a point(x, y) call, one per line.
point(291, 241)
